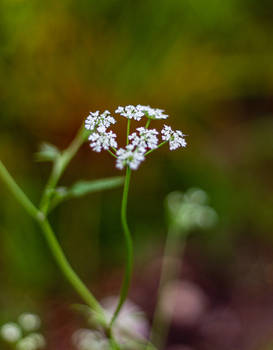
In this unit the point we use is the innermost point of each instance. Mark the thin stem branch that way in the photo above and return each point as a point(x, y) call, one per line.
point(148, 123)
point(59, 167)
point(129, 247)
point(151, 150)
point(112, 154)
point(128, 131)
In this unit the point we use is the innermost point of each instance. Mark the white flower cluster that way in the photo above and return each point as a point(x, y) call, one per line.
point(98, 124)
point(175, 138)
point(28, 324)
point(139, 143)
point(131, 156)
point(190, 210)
point(145, 139)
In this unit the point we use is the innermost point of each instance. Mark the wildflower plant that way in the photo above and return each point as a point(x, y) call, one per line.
point(128, 156)
point(138, 145)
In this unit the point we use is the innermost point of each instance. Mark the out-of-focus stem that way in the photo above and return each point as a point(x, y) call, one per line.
point(161, 324)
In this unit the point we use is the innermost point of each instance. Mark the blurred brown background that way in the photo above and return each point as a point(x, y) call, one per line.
point(210, 66)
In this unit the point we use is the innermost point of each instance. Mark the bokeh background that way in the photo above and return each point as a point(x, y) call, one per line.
point(210, 66)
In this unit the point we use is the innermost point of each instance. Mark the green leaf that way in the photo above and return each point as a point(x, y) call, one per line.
point(47, 153)
point(82, 188)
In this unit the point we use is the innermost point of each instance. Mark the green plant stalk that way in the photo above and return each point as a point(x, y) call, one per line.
point(69, 273)
point(151, 150)
point(148, 123)
point(53, 244)
point(59, 167)
point(161, 324)
point(128, 131)
point(18, 193)
point(129, 248)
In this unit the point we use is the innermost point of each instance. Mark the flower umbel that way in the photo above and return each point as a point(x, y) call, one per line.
point(103, 140)
point(99, 122)
point(175, 138)
point(146, 139)
point(139, 143)
point(131, 156)
point(153, 113)
point(130, 112)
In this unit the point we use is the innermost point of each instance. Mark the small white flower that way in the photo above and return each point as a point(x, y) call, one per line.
point(131, 322)
point(175, 138)
point(130, 156)
point(130, 112)
point(102, 121)
point(29, 322)
point(33, 341)
point(153, 113)
point(146, 138)
point(85, 339)
point(10, 332)
point(103, 140)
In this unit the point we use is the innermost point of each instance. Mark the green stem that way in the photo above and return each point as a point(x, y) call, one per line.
point(59, 167)
point(68, 272)
point(148, 123)
point(112, 154)
point(129, 247)
point(52, 243)
point(128, 131)
point(18, 193)
point(160, 145)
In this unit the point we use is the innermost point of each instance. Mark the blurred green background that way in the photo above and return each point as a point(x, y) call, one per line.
point(209, 65)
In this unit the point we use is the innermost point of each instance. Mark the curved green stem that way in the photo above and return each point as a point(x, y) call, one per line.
point(68, 272)
point(18, 193)
point(129, 247)
point(52, 243)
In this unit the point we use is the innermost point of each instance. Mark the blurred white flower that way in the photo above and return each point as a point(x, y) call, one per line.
point(175, 138)
point(183, 302)
point(131, 156)
point(153, 113)
point(85, 339)
point(190, 210)
point(103, 140)
point(131, 322)
point(102, 121)
point(34, 341)
point(146, 138)
point(29, 322)
point(10, 332)
point(130, 112)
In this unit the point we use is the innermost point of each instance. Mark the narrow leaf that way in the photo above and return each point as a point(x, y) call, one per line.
point(82, 188)
point(47, 153)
